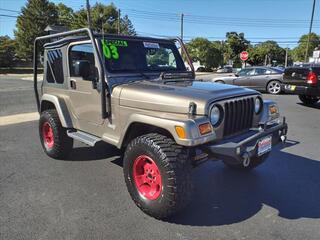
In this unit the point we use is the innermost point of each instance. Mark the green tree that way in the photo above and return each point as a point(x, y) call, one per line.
point(208, 53)
point(268, 50)
point(126, 26)
point(65, 15)
point(298, 53)
point(34, 18)
point(235, 44)
point(7, 51)
point(103, 15)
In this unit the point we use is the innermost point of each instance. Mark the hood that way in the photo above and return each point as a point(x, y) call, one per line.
point(175, 97)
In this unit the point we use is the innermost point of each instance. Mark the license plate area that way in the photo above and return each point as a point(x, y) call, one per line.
point(290, 87)
point(264, 145)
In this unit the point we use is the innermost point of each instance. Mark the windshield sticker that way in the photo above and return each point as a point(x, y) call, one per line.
point(151, 45)
point(109, 51)
point(116, 42)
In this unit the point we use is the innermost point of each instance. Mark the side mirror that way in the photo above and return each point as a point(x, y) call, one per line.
point(82, 69)
point(237, 75)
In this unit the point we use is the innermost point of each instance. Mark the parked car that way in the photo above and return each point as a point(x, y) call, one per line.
point(260, 78)
point(304, 81)
point(225, 69)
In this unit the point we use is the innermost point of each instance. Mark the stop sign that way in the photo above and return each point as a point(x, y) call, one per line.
point(244, 55)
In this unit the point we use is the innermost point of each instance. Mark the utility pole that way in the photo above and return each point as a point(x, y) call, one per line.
point(88, 14)
point(310, 29)
point(286, 59)
point(265, 59)
point(181, 30)
point(119, 20)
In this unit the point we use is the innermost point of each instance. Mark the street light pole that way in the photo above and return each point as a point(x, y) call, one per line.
point(310, 29)
point(88, 13)
point(181, 26)
point(286, 59)
point(119, 19)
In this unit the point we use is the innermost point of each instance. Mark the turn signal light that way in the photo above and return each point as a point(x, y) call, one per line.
point(273, 110)
point(181, 132)
point(205, 128)
point(312, 78)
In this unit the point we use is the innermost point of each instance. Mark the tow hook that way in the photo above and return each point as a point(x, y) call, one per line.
point(246, 159)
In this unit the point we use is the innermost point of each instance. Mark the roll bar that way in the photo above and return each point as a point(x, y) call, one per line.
point(88, 31)
point(184, 49)
point(105, 108)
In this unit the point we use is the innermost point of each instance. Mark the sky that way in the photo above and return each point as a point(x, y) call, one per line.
point(281, 20)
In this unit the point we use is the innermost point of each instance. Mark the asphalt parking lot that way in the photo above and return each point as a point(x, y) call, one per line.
point(85, 197)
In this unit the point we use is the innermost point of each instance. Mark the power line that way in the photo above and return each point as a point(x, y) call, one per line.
point(9, 10)
point(201, 17)
point(5, 15)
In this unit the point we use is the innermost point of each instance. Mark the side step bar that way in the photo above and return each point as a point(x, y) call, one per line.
point(84, 137)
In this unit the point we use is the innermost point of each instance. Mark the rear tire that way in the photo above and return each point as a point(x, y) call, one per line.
point(308, 100)
point(53, 136)
point(274, 87)
point(157, 173)
point(254, 162)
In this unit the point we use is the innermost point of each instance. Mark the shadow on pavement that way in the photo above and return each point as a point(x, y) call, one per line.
point(288, 183)
point(99, 152)
point(315, 106)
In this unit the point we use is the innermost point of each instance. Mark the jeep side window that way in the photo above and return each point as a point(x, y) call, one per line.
point(54, 70)
point(81, 62)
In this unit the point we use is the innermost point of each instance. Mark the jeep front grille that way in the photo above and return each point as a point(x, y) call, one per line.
point(238, 115)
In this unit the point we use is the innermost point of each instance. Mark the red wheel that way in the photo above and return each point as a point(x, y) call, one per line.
point(48, 137)
point(147, 177)
point(157, 172)
point(53, 136)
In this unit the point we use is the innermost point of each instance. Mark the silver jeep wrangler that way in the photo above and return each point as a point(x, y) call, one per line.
point(137, 94)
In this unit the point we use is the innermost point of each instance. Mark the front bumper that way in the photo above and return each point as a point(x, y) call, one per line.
point(301, 90)
point(233, 149)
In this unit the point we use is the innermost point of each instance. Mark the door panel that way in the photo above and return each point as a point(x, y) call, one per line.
point(85, 101)
point(260, 78)
point(244, 78)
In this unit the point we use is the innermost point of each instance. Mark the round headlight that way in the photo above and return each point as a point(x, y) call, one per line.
point(258, 105)
point(215, 115)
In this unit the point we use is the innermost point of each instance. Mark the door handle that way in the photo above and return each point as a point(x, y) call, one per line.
point(73, 83)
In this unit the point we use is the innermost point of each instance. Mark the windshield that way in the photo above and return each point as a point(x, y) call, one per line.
point(141, 56)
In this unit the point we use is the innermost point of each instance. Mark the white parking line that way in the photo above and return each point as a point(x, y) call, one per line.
point(18, 118)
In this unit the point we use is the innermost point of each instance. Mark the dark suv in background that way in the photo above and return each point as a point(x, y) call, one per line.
point(303, 81)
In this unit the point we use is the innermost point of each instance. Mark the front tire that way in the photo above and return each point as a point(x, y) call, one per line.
point(308, 100)
point(254, 162)
point(157, 173)
point(53, 136)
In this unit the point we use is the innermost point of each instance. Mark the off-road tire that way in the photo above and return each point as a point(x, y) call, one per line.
point(254, 162)
point(308, 100)
point(62, 142)
point(174, 167)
